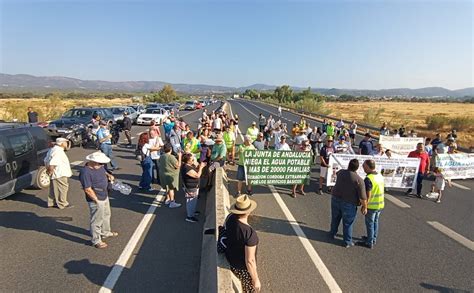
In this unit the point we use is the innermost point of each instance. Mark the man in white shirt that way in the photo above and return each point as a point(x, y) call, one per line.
point(342, 146)
point(279, 111)
point(217, 125)
point(59, 169)
point(270, 122)
point(300, 138)
point(282, 146)
point(278, 133)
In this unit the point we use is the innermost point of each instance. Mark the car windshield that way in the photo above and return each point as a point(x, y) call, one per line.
point(153, 111)
point(77, 113)
point(117, 110)
point(189, 103)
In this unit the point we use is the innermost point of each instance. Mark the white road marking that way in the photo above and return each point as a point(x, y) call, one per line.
point(453, 235)
point(251, 113)
point(121, 263)
point(460, 186)
point(396, 201)
point(320, 266)
point(76, 163)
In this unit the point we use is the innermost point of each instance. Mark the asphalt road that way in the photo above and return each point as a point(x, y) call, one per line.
point(410, 256)
point(48, 250)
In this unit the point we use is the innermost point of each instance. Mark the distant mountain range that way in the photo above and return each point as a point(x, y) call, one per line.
point(24, 82)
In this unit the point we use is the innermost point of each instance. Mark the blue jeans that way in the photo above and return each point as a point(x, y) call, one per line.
point(347, 212)
point(147, 173)
point(372, 225)
point(107, 150)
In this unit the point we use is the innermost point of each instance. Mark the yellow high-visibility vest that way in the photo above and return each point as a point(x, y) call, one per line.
point(376, 200)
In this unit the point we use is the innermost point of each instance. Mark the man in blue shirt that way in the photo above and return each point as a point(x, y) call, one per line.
point(366, 147)
point(104, 137)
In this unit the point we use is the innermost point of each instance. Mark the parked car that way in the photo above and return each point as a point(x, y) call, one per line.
point(118, 113)
point(199, 105)
point(190, 105)
point(139, 108)
point(73, 117)
point(153, 114)
point(23, 148)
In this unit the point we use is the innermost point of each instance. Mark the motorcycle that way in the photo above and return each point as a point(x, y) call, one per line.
point(78, 135)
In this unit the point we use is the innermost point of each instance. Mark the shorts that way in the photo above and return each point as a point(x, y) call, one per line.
point(440, 184)
point(323, 172)
point(240, 173)
point(352, 136)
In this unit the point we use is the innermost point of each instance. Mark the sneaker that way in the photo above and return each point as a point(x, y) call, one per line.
point(191, 219)
point(320, 192)
point(364, 238)
point(364, 244)
point(174, 205)
point(348, 245)
point(438, 201)
point(150, 189)
point(167, 202)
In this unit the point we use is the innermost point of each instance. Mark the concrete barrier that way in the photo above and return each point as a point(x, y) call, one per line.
point(215, 275)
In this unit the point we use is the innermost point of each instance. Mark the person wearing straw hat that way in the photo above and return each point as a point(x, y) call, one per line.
point(59, 169)
point(241, 242)
point(94, 180)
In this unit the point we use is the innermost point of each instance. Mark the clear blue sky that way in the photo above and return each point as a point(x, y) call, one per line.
point(343, 44)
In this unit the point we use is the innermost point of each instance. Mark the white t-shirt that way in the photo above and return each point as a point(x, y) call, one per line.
point(153, 142)
point(442, 148)
point(58, 158)
point(300, 138)
point(282, 147)
point(339, 124)
point(277, 135)
point(217, 123)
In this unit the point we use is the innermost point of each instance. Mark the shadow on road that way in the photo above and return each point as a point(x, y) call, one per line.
point(26, 198)
point(442, 289)
point(277, 226)
point(53, 226)
point(95, 273)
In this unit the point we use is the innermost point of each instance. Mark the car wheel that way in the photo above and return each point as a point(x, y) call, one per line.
point(42, 180)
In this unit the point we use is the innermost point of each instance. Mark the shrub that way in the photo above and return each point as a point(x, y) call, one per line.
point(373, 116)
point(462, 123)
point(310, 105)
point(436, 122)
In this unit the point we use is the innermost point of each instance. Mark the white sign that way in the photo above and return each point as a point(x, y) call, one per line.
point(400, 146)
point(397, 172)
point(456, 166)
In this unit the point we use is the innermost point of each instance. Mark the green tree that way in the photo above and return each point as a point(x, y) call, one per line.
point(166, 95)
point(283, 93)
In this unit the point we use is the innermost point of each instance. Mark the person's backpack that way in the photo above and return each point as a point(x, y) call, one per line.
point(222, 237)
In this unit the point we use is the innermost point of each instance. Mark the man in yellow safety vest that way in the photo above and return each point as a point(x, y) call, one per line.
point(374, 187)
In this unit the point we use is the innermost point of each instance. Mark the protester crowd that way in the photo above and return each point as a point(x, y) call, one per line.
point(188, 156)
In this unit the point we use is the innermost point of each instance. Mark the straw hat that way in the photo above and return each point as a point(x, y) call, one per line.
point(98, 157)
point(243, 205)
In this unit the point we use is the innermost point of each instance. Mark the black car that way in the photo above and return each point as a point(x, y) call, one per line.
point(77, 116)
point(23, 148)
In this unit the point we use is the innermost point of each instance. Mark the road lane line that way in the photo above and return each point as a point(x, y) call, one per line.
point(396, 201)
point(317, 261)
point(121, 263)
point(460, 186)
point(452, 234)
point(76, 163)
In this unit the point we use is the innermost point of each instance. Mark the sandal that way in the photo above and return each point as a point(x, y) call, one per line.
point(293, 195)
point(100, 245)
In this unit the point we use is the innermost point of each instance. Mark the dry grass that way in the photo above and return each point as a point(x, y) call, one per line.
point(52, 108)
point(412, 115)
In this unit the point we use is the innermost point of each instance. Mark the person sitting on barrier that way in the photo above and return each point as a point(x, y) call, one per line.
point(242, 241)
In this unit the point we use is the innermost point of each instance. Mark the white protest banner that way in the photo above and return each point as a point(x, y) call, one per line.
point(400, 146)
point(397, 172)
point(456, 166)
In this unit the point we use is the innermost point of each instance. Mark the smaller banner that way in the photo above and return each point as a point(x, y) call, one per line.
point(400, 146)
point(456, 166)
point(277, 167)
point(397, 172)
